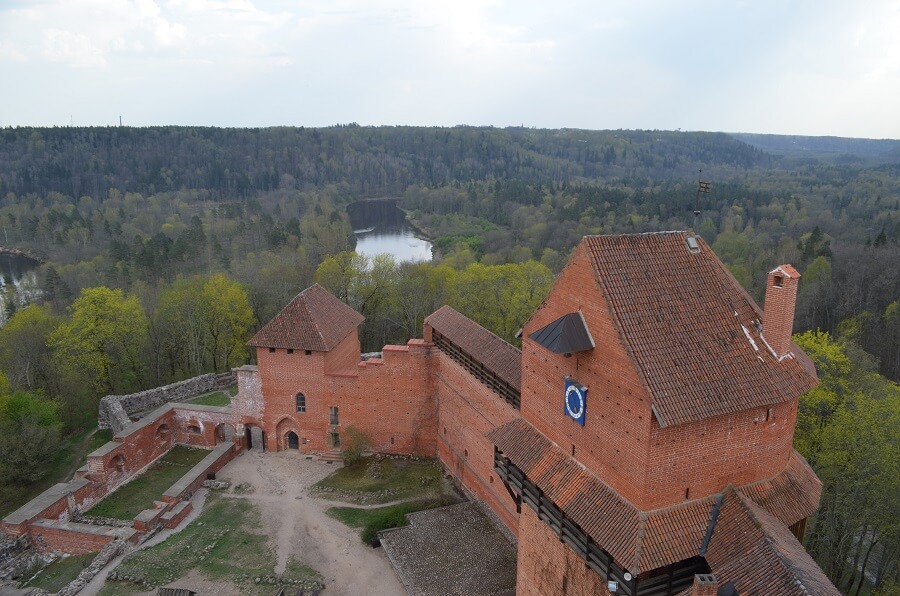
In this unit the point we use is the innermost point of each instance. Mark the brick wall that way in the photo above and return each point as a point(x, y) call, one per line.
point(547, 567)
point(467, 410)
point(281, 376)
point(68, 541)
point(614, 441)
point(391, 399)
point(344, 357)
point(701, 458)
point(148, 440)
point(197, 427)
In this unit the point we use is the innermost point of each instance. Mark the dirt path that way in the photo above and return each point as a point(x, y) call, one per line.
point(335, 503)
point(297, 527)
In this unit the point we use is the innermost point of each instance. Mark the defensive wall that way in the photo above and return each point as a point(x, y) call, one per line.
point(52, 520)
point(117, 411)
point(414, 400)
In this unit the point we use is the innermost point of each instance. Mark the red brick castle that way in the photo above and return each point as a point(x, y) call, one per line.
point(640, 442)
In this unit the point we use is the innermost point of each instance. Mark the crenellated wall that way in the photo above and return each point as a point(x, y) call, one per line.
point(389, 399)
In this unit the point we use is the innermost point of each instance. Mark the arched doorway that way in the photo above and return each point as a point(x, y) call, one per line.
point(292, 440)
point(286, 434)
point(255, 437)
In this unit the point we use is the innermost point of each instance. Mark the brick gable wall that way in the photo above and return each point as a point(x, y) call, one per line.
point(282, 376)
point(614, 442)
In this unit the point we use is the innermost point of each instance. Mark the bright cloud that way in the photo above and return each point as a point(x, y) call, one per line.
point(830, 67)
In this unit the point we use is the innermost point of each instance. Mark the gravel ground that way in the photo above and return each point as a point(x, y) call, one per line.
point(298, 528)
point(454, 550)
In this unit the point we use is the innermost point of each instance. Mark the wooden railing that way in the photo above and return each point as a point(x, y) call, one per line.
point(477, 369)
point(663, 581)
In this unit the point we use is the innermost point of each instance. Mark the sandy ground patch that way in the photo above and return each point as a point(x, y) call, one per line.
point(298, 528)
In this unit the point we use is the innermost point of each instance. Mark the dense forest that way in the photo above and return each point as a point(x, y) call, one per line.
point(164, 249)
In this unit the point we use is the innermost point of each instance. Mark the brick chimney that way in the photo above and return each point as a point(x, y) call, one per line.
point(705, 584)
point(778, 313)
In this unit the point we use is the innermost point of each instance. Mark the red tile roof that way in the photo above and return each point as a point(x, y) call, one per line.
point(792, 495)
point(314, 320)
point(691, 329)
point(606, 517)
point(640, 540)
point(495, 354)
point(751, 548)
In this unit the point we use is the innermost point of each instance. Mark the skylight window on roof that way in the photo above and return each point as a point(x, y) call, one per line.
point(693, 245)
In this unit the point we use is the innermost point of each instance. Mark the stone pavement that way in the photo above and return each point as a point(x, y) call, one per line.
point(454, 550)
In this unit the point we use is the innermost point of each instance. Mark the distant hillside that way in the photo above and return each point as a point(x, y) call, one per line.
point(835, 149)
point(373, 161)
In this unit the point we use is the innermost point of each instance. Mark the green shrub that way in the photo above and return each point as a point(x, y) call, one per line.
point(355, 443)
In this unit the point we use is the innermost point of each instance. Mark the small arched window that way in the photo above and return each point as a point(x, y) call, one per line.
point(301, 402)
point(194, 429)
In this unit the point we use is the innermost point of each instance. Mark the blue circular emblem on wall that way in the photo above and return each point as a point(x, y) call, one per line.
point(575, 401)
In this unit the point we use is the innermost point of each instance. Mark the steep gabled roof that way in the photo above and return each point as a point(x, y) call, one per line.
point(497, 356)
point(314, 320)
point(690, 328)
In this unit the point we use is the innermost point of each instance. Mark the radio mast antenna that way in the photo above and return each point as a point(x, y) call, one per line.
point(703, 187)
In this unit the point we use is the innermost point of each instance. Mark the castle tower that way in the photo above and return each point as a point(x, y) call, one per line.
point(651, 404)
point(314, 335)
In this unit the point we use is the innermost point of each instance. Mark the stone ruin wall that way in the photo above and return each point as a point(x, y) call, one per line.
point(116, 410)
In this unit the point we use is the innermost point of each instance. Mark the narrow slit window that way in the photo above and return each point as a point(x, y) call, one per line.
point(301, 402)
point(333, 418)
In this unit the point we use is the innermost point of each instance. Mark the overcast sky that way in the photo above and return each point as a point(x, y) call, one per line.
point(814, 67)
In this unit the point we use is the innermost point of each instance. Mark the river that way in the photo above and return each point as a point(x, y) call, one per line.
point(21, 272)
point(380, 226)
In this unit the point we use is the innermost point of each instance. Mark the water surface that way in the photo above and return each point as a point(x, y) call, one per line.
point(380, 226)
point(21, 273)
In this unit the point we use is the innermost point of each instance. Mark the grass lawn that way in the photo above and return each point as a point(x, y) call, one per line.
point(97, 440)
point(216, 398)
point(382, 479)
point(70, 456)
point(132, 498)
point(58, 574)
point(224, 544)
point(373, 521)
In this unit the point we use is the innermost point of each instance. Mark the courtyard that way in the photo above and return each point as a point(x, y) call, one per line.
point(283, 522)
